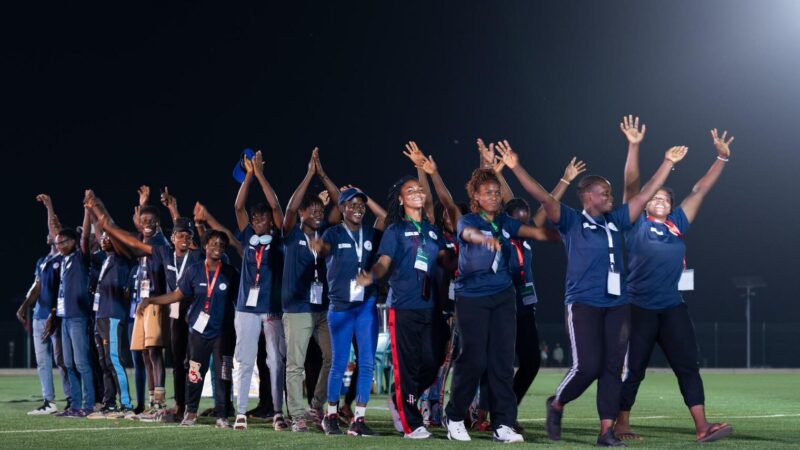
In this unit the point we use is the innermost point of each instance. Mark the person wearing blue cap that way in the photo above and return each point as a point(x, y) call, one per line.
point(258, 307)
point(657, 274)
point(349, 250)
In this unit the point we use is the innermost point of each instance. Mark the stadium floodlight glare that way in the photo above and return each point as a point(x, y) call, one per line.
point(748, 284)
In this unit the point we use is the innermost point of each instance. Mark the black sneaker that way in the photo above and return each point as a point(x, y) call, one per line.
point(330, 424)
point(553, 422)
point(609, 440)
point(360, 428)
point(260, 412)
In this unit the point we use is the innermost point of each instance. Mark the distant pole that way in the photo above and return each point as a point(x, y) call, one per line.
point(763, 344)
point(716, 344)
point(748, 284)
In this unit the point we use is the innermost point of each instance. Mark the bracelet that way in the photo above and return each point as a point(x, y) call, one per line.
point(565, 181)
point(722, 159)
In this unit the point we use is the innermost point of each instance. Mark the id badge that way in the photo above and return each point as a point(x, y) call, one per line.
point(528, 294)
point(496, 263)
point(60, 310)
point(144, 289)
point(421, 261)
point(316, 293)
point(614, 283)
point(174, 310)
point(201, 322)
point(451, 291)
point(356, 291)
point(686, 283)
point(96, 304)
point(252, 297)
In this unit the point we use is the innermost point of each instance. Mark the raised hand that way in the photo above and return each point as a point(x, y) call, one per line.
point(499, 165)
point(508, 155)
point(136, 222)
point(313, 162)
point(675, 154)
point(248, 164)
point(45, 200)
point(723, 147)
point(345, 187)
point(144, 194)
point(258, 163)
point(414, 154)
point(325, 197)
point(630, 128)
point(428, 165)
point(199, 212)
point(574, 169)
point(168, 200)
point(487, 154)
point(89, 200)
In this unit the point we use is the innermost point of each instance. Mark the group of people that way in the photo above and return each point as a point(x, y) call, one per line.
point(457, 280)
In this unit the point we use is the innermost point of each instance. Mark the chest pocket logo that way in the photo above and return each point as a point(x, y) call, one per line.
point(368, 246)
point(655, 230)
point(589, 226)
point(56, 265)
point(432, 235)
point(223, 286)
point(526, 245)
point(506, 235)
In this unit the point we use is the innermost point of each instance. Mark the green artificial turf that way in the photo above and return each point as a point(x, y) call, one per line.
point(763, 407)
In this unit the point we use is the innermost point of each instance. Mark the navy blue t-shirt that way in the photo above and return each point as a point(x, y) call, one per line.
point(194, 285)
point(267, 303)
point(475, 275)
point(655, 261)
point(522, 275)
point(587, 255)
point(111, 286)
point(47, 271)
point(74, 285)
point(343, 263)
point(153, 270)
point(166, 257)
point(298, 274)
point(411, 287)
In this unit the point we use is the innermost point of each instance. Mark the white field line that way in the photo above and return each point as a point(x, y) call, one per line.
point(58, 430)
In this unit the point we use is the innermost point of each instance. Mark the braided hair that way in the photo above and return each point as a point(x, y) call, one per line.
point(479, 178)
point(395, 211)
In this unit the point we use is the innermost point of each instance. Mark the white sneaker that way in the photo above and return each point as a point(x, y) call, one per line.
point(419, 433)
point(241, 422)
point(456, 431)
point(398, 425)
point(507, 435)
point(46, 408)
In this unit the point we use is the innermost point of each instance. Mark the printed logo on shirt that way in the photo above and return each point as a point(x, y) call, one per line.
point(223, 286)
point(505, 234)
point(432, 235)
point(450, 245)
point(589, 226)
point(655, 230)
point(526, 245)
point(412, 233)
point(56, 265)
point(303, 243)
point(368, 245)
point(203, 284)
point(345, 246)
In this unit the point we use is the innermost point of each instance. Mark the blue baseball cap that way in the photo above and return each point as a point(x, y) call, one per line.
point(238, 169)
point(351, 193)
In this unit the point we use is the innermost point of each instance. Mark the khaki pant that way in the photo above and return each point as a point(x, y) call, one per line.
point(299, 328)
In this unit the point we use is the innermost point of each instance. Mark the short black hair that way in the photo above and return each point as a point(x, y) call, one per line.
point(589, 181)
point(150, 209)
point(309, 201)
point(261, 208)
point(216, 234)
point(515, 204)
point(69, 233)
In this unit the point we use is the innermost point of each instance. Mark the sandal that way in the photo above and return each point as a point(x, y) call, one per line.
point(715, 432)
point(241, 422)
point(279, 424)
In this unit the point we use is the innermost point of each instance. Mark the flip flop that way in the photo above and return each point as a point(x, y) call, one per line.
point(628, 436)
point(716, 432)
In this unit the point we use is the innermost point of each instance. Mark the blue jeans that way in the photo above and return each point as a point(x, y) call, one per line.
point(139, 370)
point(44, 360)
point(75, 339)
point(363, 322)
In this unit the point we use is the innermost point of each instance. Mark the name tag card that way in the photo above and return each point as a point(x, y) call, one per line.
point(686, 283)
point(60, 309)
point(356, 291)
point(201, 322)
point(614, 283)
point(252, 297)
point(451, 291)
point(316, 293)
point(421, 261)
point(96, 304)
point(528, 294)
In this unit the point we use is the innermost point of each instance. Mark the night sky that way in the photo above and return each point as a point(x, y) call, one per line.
point(112, 96)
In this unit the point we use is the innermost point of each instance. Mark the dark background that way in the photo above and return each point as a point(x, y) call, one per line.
point(113, 96)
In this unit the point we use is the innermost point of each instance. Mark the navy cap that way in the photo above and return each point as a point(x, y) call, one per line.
point(351, 193)
point(183, 224)
point(238, 169)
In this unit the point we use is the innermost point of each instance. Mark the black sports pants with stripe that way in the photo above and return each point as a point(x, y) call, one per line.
point(599, 340)
point(488, 329)
point(673, 330)
point(200, 351)
point(415, 360)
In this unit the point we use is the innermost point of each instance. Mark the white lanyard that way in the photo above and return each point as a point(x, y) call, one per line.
point(313, 252)
point(608, 234)
point(359, 245)
point(103, 270)
point(179, 272)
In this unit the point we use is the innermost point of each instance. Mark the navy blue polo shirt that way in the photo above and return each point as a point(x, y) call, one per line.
point(521, 274)
point(165, 256)
point(74, 285)
point(267, 303)
point(194, 285)
point(112, 286)
point(587, 255)
point(47, 271)
point(154, 269)
point(475, 275)
point(343, 263)
point(400, 242)
point(655, 261)
point(298, 274)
